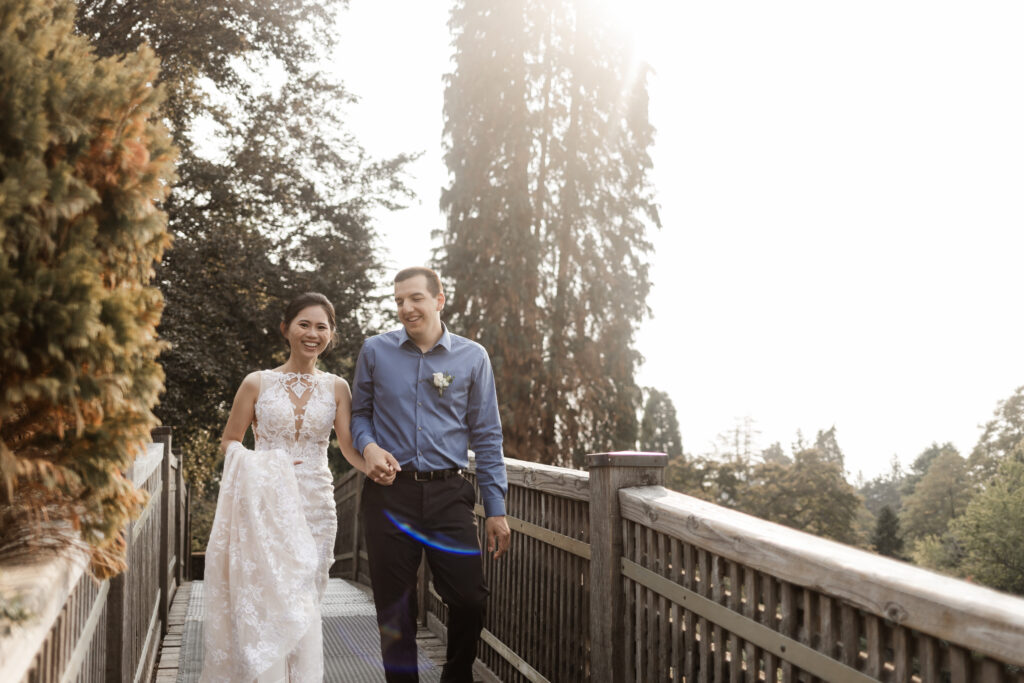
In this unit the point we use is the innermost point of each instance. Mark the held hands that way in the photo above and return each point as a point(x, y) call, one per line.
point(381, 466)
point(499, 536)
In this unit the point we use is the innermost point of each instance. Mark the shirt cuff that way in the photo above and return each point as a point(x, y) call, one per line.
point(494, 507)
point(363, 442)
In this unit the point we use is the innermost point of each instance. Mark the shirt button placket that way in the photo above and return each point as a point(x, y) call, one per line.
point(419, 416)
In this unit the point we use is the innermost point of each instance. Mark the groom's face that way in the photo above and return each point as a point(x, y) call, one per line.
point(418, 309)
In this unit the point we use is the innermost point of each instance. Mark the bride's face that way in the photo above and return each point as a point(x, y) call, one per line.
point(308, 333)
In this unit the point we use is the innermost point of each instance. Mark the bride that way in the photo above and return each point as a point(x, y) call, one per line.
point(272, 541)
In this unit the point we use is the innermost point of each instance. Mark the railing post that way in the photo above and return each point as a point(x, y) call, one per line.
point(163, 435)
point(178, 513)
point(610, 472)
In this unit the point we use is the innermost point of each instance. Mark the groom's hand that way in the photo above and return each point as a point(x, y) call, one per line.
point(499, 536)
point(381, 466)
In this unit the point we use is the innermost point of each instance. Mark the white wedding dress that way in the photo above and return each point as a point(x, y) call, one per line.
point(272, 541)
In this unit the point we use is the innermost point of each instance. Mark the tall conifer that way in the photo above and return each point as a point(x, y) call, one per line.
point(547, 139)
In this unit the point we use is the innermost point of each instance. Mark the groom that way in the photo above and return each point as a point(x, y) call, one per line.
point(421, 398)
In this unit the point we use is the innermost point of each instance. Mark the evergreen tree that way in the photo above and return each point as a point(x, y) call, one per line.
point(886, 538)
point(941, 495)
point(84, 162)
point(1001, 435)
point(885, 490)
point(774, 453)
point(659, 428)
point(687, 475)
point(991, 530)
point(827, 444)
point(547, 138)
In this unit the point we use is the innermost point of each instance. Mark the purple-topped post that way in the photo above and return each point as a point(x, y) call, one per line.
point(610, 472)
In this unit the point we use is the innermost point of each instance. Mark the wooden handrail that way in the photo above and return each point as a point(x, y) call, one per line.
point(82, 630)
point(977, 618)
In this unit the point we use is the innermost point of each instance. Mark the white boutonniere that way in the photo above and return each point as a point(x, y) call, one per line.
point(442, 380)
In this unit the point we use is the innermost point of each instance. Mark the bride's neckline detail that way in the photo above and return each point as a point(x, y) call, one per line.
point(297, 383)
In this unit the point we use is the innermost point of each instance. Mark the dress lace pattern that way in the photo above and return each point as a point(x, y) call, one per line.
point(272, 541)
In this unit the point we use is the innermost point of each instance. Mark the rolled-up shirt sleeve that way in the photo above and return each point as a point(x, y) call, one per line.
point(485, 439)
point(362, 400)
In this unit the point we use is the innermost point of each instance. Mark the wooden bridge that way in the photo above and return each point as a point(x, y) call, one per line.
point(611, 577)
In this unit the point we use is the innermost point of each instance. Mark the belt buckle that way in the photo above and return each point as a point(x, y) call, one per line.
point(427, 476)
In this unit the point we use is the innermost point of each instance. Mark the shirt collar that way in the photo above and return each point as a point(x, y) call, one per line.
point(445, 340)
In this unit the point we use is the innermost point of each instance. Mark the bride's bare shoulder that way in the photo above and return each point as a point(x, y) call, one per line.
point(251, 383)
point(341, 386)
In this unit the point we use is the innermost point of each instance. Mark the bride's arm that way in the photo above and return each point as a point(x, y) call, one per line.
point(342, 418)
point(242, 411)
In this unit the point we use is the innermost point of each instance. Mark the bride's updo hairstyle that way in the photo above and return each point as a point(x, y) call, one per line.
point(296, 305)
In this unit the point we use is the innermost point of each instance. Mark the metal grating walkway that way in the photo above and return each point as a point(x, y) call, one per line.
point(351, 641)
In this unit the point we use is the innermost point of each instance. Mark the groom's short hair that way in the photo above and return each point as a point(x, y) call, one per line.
point(433, 280)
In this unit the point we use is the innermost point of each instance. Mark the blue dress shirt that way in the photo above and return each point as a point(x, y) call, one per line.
point(396, 405)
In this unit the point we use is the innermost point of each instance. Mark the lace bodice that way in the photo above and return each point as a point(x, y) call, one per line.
point(295, 411)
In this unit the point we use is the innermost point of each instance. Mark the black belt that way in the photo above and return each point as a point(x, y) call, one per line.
point(429, 476)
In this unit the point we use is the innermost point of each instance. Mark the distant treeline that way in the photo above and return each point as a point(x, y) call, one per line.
point(961, 516)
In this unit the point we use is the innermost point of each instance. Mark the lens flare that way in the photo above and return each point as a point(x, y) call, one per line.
point(441, 542)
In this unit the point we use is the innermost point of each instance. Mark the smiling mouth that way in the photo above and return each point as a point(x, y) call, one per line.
point(311, 347)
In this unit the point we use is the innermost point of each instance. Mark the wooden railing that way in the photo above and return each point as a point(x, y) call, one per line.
point(350, 559)
point(78, 629)
point(612, 577)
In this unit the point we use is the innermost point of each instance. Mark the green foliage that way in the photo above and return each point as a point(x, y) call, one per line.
point(810, 494)
point(885, 490)
point(685, 474)
point(941, 495)
point(547, 138)
point(276, 201)
point(774, 453)
point(940, 552)
point(921, 464)
point(84, 161)
point(991, 530)
point(886, 538)
point(1001, 435)
point(807, 491)
point(725, 481)
point(827, 444)
point(659, 428)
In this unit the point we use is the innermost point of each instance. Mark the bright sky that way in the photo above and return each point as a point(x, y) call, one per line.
point(841, 192)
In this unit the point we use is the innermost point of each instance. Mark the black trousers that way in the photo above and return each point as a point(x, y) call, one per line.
point(403, 521)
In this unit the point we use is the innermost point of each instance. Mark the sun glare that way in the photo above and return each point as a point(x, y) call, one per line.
point(638, 20)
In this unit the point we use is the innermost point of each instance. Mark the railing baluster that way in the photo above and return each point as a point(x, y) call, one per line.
point(901, 655)
point(734, 596)
point(631, 616)
point(717, 640)
point(873, 633)
point(770, 619)
point(691, 652)
point(676, 574)
point(664, 668)
point(751, 609)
